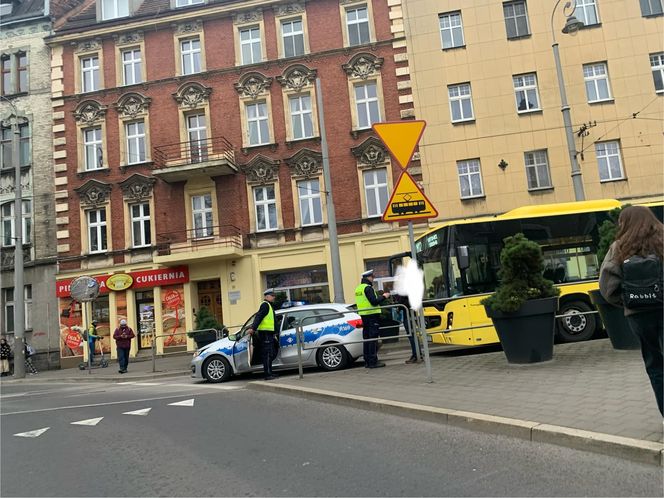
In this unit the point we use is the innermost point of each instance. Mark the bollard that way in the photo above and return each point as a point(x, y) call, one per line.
point(298, 340)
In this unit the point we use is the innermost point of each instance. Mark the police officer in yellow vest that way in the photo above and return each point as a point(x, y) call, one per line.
point(264, 323)
point(366, 298)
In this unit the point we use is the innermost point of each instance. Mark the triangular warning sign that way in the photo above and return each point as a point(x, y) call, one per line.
point(408, 202)
point(401, 138)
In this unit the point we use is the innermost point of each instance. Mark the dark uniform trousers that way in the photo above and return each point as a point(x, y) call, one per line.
point(267, 347)
point(370, 330)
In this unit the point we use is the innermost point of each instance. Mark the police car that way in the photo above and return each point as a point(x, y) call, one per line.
point(321, 324)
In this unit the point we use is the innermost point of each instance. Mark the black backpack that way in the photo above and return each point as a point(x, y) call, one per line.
point(642, 282)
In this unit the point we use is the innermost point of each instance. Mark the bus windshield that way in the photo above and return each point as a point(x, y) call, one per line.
point(432, 257)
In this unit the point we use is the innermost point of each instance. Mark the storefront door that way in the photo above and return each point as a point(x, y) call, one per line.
point(209, 296)
point(145, 319)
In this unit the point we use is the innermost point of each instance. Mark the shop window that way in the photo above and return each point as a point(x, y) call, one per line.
point(299, 286)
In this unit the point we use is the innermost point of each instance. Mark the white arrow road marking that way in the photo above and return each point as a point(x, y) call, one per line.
point(143, 411)
point(90, 421)
point(35, 433)
point(186, 402)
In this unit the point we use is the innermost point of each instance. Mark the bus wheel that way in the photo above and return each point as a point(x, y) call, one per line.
point(576, 327)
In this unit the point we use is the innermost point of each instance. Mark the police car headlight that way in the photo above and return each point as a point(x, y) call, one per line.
point(197, 352)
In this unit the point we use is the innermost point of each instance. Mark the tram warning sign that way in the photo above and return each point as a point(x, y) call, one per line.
point(408, 202)
point(401, 138)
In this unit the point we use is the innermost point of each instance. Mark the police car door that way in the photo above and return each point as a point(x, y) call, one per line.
point(287, 338)
point(242, 348)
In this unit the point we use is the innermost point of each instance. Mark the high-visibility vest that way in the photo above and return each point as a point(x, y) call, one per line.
point(363, 304)
point(268, 320)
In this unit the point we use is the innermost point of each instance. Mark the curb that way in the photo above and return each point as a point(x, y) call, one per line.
point(637, 450)
point(93, 378)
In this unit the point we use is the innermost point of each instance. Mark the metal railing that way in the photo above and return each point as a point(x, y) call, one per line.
point(194, 152)
point(219, 335)
point(197, 239)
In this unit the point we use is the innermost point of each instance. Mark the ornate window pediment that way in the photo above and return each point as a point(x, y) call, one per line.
point(132, 105)
point(94, 193)
point(305, 163)
point(296, 77)
point(253, 85)
point(370, 154)
point(191, 95)
point(261, 170)
point(190, 27)
point(137, 187)
point(90, 112)
point(248, 16)
point(88, 46)
point(131, 38)
point(363, 65)
point(289, 9)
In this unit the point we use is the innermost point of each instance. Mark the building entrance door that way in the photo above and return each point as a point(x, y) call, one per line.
point(209, 296)
point(145, 319)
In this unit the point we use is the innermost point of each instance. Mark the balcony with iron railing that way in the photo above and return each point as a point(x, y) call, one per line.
point(199, 243)
point(210, 156)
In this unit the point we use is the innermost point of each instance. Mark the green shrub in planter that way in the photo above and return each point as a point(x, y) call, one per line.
point(205, 321)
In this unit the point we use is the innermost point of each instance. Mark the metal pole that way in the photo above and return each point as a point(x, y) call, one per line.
point(154, 360)
point(420, 312)
point(88, 312)
point(298, 334)
point(577, 181)
point(19, 303)
point(337, 281)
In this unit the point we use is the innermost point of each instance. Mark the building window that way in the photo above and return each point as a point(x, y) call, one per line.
point(6, 161)
point(293, 37)
point(311, 211)
point(92, 144)
point(470, 179)
point(608, 161)
point(257, 123)
point(461, 102)
point(596, 77)
point(375, 191)
point(516, 19)
point(266, 208)
point(14, 69)
point(250, 45)
point(197, 133)
point(140, 225)
point(111, 9)
point(201, 210)
point(301, 120)
point(586, 12)
point(135, 133)
point(451, 30)
point(8, 223)
point(525, 91)
point(187, 3)
point(190, 51)
point(651, 7)
point(8, 300)
point(366, 101)
point(357, 24)
point(537, 170)
point(97, 230)
point(132, 66)
point(657, 65)
point(90, 73)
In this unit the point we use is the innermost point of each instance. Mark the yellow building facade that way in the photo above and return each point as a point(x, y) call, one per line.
point(484, 78)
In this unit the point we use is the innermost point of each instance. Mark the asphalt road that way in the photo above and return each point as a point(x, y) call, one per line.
point(237, 442)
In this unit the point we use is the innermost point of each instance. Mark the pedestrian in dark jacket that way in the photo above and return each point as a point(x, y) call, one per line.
point(639, 233)
point(123, 336)
point(265, 323)
point(5, 353)
point(406, 323)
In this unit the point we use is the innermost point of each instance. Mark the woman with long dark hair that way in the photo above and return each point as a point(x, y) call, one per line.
point(640, 233)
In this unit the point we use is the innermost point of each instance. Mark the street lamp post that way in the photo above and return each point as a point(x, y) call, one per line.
point(19, 306)
point(571, 26)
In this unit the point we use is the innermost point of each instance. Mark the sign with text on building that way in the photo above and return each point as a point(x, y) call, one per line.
point(401, 138)
point(408, 202)
point(134, 280)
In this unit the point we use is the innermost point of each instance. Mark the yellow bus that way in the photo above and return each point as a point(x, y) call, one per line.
point(461, 259)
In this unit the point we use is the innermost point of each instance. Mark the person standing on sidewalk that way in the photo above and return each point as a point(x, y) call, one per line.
point(264, 323)
point(123, 336)
point(406, 324)
point(5, 353)
point(92, 339)
point(29, 352)
point(366, 299)
point(639, 234)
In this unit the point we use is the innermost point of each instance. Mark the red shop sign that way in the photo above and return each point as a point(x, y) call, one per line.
point(172, 299)
point(73, 340)
point(141, 279)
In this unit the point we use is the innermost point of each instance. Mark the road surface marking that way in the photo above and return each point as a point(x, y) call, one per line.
point(142, 411)
point(186, 402)
point(89, 421)
point(205, 386)
point(56, 408)
point(35, 433)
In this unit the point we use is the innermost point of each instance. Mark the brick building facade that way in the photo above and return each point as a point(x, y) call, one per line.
point(187, 137)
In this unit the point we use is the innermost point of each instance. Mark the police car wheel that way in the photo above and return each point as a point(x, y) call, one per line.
point(332, 358)
point(216, 369)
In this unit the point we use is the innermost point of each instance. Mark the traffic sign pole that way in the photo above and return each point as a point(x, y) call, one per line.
point(420, 312)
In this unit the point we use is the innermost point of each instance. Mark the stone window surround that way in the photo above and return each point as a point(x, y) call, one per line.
point(94, 194)
point(297, 80)
point(306, 164)
point(364, 67)
point(371, 154)
point(127, 41)
point(193, 98)
point(261, 171)
point(248, 19)
point(289, 12)
point(133, 107)
point(85, 49)
point(13, 55)
point(138, 189)
point(184, 31)
point(254, 87)
point(345, 4)
point(88, 114)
